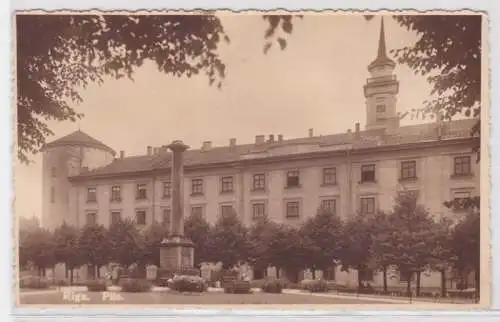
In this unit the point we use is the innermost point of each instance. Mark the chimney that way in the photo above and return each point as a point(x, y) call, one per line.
point(150, 150)
point(311, 133)
point(260, 139)
point(271, 138)
point(122, 154)
point(357, 129)
point(232, 142)
point(207, 145)
point(280, 138)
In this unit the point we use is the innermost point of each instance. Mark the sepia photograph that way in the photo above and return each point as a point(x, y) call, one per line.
point(266, 159)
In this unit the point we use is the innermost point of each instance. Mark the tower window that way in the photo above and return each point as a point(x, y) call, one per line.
point(380, 108)
point(52, 194)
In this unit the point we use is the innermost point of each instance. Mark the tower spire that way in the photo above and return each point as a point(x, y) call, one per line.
point(382, 58)
point(382, 51)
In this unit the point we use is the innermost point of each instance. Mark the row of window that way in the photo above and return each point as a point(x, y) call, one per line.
point(259, 209)
point(462, 167)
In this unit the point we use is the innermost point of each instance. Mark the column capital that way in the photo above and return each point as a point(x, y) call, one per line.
point(178, 146)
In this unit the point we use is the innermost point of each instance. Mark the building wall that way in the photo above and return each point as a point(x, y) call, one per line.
point(59, 196)
point(434, 182)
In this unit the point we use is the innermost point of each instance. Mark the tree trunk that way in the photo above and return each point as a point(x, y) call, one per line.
point(477, 280)
point(71, 276)
point(385, 278)
point(417, 293)
point(313, 274)
point(443, 282)
point(408, 287)
point(277, 272)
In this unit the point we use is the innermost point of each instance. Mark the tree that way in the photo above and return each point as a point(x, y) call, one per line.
point(228, 243)
point(199, 231)
point(442, 250)
point(287, 251)
point(260, 236)
point(357, 242)
point(126, 243)
point(37, 247)
point(94, 246)
point(66, 248)
point(323, 239)
point(57, 55)
point(466, 245)
point(407, 244)
point(153, 237)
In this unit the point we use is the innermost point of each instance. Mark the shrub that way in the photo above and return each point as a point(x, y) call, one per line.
point(314, 286)
point(272, 286)
point(62, 283)
point(96, 286)
point(187, 283)
point(135, 285)
point(237, 287)
point(33, 282)
point(170, 273)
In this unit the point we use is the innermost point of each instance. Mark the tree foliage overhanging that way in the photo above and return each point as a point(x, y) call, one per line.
point(57, 55)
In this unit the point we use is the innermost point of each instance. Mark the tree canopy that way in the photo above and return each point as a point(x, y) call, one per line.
point(57, 55)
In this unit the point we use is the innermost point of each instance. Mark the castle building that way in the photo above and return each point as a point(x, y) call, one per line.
point(286, 179)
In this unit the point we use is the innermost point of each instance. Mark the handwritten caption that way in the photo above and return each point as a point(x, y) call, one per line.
point(80, 295)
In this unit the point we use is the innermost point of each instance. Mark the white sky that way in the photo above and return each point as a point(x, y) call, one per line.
point(317, 82)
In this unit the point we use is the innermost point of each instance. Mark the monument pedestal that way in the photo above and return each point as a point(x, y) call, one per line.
point(176, 253)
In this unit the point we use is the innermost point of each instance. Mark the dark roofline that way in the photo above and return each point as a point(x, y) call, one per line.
point(79, 144)
point(288, 157)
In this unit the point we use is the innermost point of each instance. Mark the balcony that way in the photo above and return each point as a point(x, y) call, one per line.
point(384, 79)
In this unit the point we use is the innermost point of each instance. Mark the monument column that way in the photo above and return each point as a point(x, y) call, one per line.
point(177, 252)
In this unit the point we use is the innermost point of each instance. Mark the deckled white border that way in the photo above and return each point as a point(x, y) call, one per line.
point(6, 190)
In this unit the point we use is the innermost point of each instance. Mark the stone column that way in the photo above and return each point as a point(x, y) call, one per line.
point(177, 252)
point(177, 175)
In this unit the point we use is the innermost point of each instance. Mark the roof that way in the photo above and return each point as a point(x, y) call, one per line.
point(405, 135)
point(382, 58)
point(79, 138)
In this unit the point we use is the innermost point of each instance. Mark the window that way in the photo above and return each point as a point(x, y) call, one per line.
point(140, 217)
point(380, 108)
point(226, 184)
point(91, 218)
point(367, 205)
point(197, 211)
point(141, 192)
point(292, 179)
point(197, 186)
point(116, 193)
point(91, 194)
point(167, 218)
point(259, 181)
point(329, 206)
point(167, 189)
point(329, 176)
point(368, 173)
point(52, 194)
point(258, 210)
point(460, 198)
point(115, 217)
point(53, 172)
point(292, 209)
point(408, 170)
point(226, 210)
point(329, 273)
point(404, 276)
point(462, 166)
point(366, 275)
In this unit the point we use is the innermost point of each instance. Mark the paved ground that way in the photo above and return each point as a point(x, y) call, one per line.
point(213, 298)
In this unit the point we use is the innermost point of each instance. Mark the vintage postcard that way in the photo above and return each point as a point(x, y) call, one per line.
point(252, 159)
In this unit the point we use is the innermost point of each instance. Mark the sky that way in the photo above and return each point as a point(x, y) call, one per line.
point(317, 82)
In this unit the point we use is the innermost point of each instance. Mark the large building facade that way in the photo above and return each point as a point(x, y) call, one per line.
point(359, 171)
